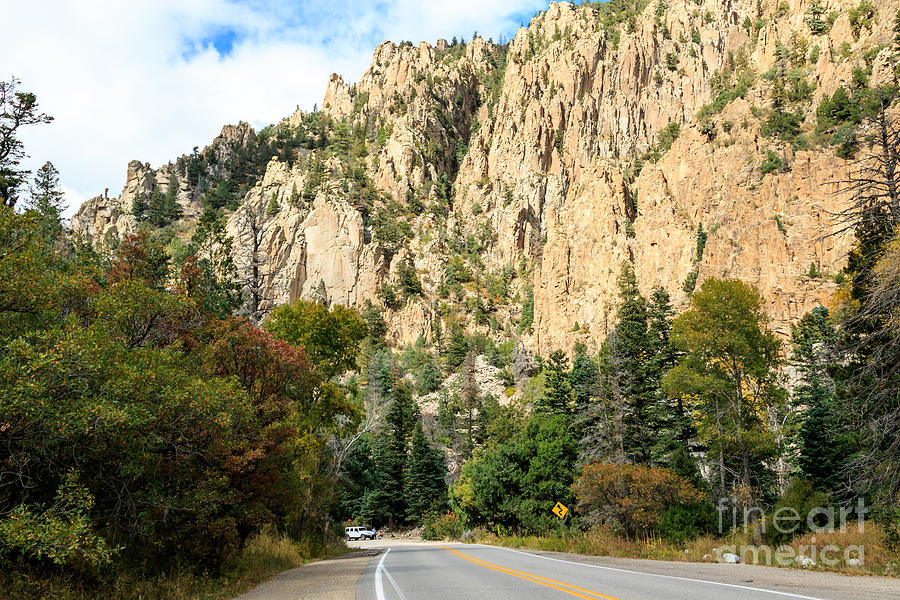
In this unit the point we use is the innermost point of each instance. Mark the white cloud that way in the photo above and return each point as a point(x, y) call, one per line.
point(140, 80)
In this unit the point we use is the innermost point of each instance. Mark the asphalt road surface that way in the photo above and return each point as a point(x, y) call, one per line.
point(467, 571)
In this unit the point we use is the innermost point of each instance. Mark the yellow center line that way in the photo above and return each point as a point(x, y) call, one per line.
point(532, 577)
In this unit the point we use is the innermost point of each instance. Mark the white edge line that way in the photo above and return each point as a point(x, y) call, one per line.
point(731, 585)
point(394, 583)
point(379, 583)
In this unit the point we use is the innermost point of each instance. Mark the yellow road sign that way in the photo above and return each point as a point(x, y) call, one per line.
point(560, 510)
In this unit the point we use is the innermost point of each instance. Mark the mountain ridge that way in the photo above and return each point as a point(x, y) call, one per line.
point(500, 181)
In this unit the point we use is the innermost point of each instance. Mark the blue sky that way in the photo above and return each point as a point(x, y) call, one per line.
point(151, 79)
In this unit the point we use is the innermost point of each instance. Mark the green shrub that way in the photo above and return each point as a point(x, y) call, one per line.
point(815, 19)
point(772, 164)
point(690, 282)
point(814, 54)
point(798, 499)
point(844, 139)
point(727, 86)
point(683, 522)
point(840, 108)
point(780, 225)
point(446, 526)
point(408, 280)
point(862, 16)
point(781, 124)
point(667, 137)
point(672, 61)
point(527, 320)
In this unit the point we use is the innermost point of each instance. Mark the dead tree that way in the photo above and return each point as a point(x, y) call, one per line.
point(869, 352)
point(873, 186)
point(255, 263)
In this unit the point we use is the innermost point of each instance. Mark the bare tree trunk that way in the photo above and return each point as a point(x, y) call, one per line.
point(257, 274)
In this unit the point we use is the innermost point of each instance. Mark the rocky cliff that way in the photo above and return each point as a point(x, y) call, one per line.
point(467, 183)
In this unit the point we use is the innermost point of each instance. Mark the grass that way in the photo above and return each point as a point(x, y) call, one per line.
point(264, 556)
point(879, 559)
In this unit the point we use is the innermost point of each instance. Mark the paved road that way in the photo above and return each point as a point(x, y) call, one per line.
point(464, 572)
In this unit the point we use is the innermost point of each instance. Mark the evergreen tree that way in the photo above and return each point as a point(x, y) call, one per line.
point(381, 375)
point(273, 208)
point(217, 284)
point(424, 487)
point(558, 390)
point(490, 413)
point(171, 209)
point(603, 423)
point(458, 347)
point(585, 378)
point(407, 408)
point(429, 378)
point(47, 200)
point(823, 449)
point(667, 416)
point(387, 502)
point(138, 207)
point(358, 479)
point(633, 350)
point(17, 109)
point(156, 209)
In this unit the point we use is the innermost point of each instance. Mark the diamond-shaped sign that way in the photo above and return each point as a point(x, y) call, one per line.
point(560, 510)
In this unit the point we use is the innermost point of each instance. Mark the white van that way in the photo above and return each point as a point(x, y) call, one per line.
point(359, 533)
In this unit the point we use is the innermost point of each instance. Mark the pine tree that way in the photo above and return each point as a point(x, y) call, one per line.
point(387, 502)
point(407, 407)
point(156, 209)
point(823, 449)
point(603, 423)
point(633, 352)
point(273, 208)
point(218, 283)
point(138, 207)
point(458, 347)
point(429, 377)
point(424, 486)
point(17, 109)
point(47, 200)
point(667, 416)
point(558, 390)
point(585, 378)
point(171, 209)
point(381, 375)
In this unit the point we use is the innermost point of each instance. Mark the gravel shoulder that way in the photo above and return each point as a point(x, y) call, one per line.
point(795, 581)
point(333, 579)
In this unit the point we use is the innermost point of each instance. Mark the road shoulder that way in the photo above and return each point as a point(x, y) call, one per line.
point(333, 579)
point(794, 581)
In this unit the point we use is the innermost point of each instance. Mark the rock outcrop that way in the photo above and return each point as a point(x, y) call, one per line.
point(539, 168)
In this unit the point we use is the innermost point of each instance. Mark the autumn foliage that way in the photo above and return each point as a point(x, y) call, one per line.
point(137, 427)
point(628, 496)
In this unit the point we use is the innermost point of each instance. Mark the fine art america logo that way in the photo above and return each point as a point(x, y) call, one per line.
point(788, 521)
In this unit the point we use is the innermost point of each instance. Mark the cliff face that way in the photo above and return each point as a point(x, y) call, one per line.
point(541, 167)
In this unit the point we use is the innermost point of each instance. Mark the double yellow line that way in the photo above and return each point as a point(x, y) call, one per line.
point(551, 583)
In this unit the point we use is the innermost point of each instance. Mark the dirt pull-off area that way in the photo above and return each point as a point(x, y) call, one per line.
point(333, 579)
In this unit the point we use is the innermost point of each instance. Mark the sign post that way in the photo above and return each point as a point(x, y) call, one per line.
point(561, 510)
